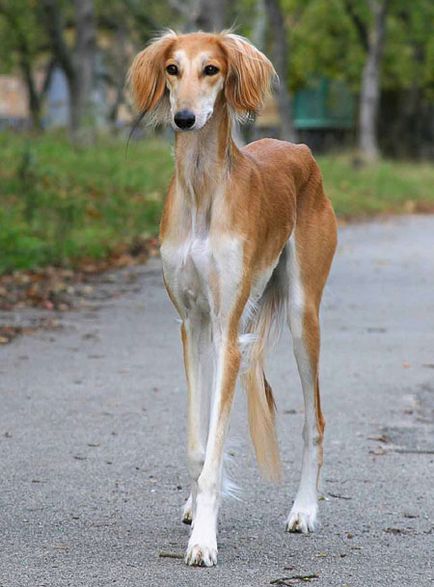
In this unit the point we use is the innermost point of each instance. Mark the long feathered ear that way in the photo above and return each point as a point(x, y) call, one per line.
point(147, 80)
point(249, 77)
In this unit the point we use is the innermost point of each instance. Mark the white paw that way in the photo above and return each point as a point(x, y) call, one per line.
point(302, 520)
point(187, 512)
point(201, 555)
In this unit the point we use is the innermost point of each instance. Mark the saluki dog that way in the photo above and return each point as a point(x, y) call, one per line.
point(247, 240)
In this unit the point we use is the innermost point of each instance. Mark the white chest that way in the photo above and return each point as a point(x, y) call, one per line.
point(187, 271)
point(204, 273)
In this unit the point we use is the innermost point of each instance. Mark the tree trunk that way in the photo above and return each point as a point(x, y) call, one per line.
point(33, 98)
point(26, 65)
point(280, 60)
point(211, 15)
point(260, 25)
point(78, 64)
point(82, 115)
point(120, 59)
point(370, 88)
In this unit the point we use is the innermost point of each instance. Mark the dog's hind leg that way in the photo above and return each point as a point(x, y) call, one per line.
point(309, 258)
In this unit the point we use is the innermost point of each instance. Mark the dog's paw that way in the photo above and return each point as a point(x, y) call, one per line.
point(187, 512)
point(302, 520)
point(201, 555)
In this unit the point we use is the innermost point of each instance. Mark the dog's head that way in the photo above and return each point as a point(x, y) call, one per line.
point(177, 79)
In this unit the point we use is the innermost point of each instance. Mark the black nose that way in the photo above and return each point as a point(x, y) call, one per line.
point(184, 119)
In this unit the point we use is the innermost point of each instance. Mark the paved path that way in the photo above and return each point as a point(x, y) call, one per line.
point(92, 439)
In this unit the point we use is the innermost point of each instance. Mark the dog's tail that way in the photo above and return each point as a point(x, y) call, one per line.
point(264, 325)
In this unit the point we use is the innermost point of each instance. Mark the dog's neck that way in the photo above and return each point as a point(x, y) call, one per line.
point(204, 158)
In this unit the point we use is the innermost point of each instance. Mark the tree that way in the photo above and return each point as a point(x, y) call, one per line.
point(210, 15)
point(77, 61)
point(371, 32)
point(406, 118)
point(279, 33)
point(22, 39)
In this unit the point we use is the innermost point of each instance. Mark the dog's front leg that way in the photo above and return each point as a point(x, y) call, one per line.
point(202, 546)
point(196, 341)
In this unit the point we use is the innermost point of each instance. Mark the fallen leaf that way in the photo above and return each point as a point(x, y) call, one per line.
point(395, 530)
point(380, 438)
point(378, 451)
point(164, 554)
point(295, 579)
point(338, 496)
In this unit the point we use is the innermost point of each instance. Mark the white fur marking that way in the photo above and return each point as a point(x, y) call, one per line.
point(200, 103)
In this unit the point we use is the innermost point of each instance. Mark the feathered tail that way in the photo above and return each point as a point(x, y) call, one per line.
point(264, 325)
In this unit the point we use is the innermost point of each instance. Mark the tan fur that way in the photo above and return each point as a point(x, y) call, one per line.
point(146, 76)
point(260, 195)
point(249, 75)
point(260, 401)
point(273, 186)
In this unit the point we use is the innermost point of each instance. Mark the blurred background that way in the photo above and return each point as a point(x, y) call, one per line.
point(357, 85)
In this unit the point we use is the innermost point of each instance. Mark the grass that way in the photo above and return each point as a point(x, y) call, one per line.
point(385, 187)
point(59, 204)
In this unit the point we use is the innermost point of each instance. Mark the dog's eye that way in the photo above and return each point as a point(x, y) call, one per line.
point(172, 69)
point(211, 70)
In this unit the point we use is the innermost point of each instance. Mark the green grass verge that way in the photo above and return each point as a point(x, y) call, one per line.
point(59, 204)
point(385, 187)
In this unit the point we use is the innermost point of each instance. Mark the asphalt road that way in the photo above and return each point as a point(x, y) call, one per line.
point(92, 438)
